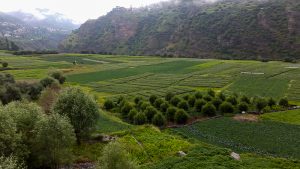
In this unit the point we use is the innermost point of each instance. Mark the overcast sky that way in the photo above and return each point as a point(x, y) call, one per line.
point(77, 10)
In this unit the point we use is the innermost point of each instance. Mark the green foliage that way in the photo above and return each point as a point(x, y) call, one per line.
point(271, 102)
point(150, 112)
point(226, 107)
point(125, 109)
point(58, 76)
point(191, 101)
point(10, 93)
point(152, 99)
point(159, 120)
point(145, 105)
point(10, 163)
point(221, 96)
point(80, 108)
point(209, 109)
point(232, 100)
point(284, 102)
point(217, 102)
point(207, 98)
point(137, 100)
point(114, 157)
point(132, 114)
point(48, 81)
point(198, 95)
point(199, 104)
point(243, 107)
point(53, 141)
point(140, 119)
point(181, 116)
point(211, 93)
point(169, 96)
point(261, 104)
point(183, 105)
point(170, 114)
point(108, 104)
point(290, 117)
point(175, 100)
point(4, 64)
point(245, 99)
point(164, 107)
point(158, 102)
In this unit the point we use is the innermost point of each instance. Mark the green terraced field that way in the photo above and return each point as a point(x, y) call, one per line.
point(290, 117)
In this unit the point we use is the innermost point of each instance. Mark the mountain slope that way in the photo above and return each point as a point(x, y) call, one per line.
point(247, 29)
point(30, 33)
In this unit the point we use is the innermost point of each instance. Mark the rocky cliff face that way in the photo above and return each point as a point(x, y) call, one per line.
point(243, 29)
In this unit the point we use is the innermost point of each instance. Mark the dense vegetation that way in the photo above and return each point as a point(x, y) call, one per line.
point(243, 29)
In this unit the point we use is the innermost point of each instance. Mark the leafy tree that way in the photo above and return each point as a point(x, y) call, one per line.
point(4, 64)
point(232, 100)
point(150, 112)
point(183, 105)
point(170, 114)
point(140, 119)
point(6, 78)
point(186, 97)
point(137, 100)
point(209, 109)
point(198, 95)
point(108, 104)
point(131, 114)
point(48, 98)
point(53, 142)
point(222, 96)
point(125, 109)
point(191, 101)
point(10, 93)
point(164, 106)
point(181, 116)
point(152, 99)
point(284, 102)
point(10, 140)
point(144, 106)
point(159, 120)
point(10, 163)
point(211, 93)
point(199, 104)
point(175, 100)
point(158, 102)
point(243, 107)
point(114, 156)
point(271, 102)
point(169, 96)
point(245, 99)
point(217, 102)
point(35, 91)
point(207, 98)
point(261, 104)
point(58, 76)
point(226, 107)
point(48, 81)
point(80, 108)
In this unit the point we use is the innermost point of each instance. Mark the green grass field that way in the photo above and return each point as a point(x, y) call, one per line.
point(290, 117)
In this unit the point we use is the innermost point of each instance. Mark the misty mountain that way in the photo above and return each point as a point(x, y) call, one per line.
point(244, 29)
point(29, 32)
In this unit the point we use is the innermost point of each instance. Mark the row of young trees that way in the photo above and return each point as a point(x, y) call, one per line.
point(180, 108)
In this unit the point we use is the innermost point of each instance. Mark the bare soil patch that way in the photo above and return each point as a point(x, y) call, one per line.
point(246, 118)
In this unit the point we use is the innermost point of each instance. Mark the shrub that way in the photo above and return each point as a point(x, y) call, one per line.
point(77, 105)
point(232, 100)
point(159, 120)
point(6, 78)
point(183, 105)
point(152, 99)
point(140, 119)
point(245, 99)
point(35, 91)
point(4, 64)
point(198, 95)
point(191, 101)
point(175, 100)
point(169, 96)
point(164, 106)
point(211, 93)
point(150, 112)
point(222, 96)
point(58, 76)
point(10, 93)
point(284, 102)
point(217, 102)
point(120, 100)
point(271, 102)
point(267, 109)
point(48, 81)
point(131, 115)
point(209, 110)
point(243, 107)
point(53, 142)
point(144, 106)
point(125, 109)
point(181, 116)
point(48, 98)
point(108, 104)
point(115, 157)
point(158, 102)
point(199, 104)
point(186, 97)
point(137, 100)
point(226, 107)
point(170, 114)
point(10, 163)
point(207, 98)
point(261, 104)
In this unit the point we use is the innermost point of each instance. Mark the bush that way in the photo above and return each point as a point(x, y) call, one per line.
point(271, 102)
point(198, 95)
point(226, 107)
point(243, 107)
point(131, 115)
point(137, 100)
point(125, 109)
point(140, 119)
point(158, 102)
point(267, 109)
point(211, 93)
point(53, 142)
point(77, 105)
point(6, 78)
point(48, 81)
point(164, 107)
point(169, 96)
point(10, 93)
point(152, 99)
point(261, 104)
point(222, 96)
point(4, 64)
point(10, 163)
point(181, 116)
point(108, 104)
point(183, 105)
point(217, 102)
point(150, 112)
point(191, 101)
point(284, 102)
point(199, 104)
point(207, 98)
point(144, 106)
point(48, 98)
point(209, 110)
point(175, 100)
point(186, 97)
point(114, 157)
point(170, 114)
point(159, 120)
point(245, 99)
point(232, 100)
point(58, 76)
point(35, 91)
